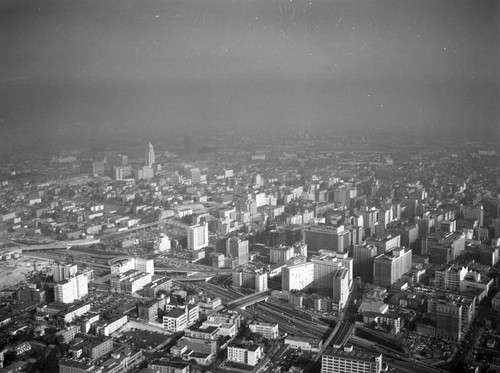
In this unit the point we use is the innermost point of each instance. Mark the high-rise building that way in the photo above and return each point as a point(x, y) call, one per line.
point(91, 167)
point(327, 238)
point(249, 277)
point(385, 243)
point(340, 288)
point(449, 320)
point(117, 173)
point(72, 289)
point(324, 270)
point(150, 156)
point(297, 277)
point(453, 313)
point(348, 360)
point(237, 249)
point(443, 247)
point(145, 265)
point(449, 277)
point(197, 237)
point(195, 175)
point(61, 272)
point(390, 267)
point(280, 254)
point(363, 256)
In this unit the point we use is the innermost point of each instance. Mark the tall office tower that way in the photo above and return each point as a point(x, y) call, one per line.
point(341, 195)
point(444, 247)
point(475, 213)
point(280, 254)
point(347, 360)
point(162, 244)
point(249, 277)
point(195, 175)
point(449, 277)
point(197, 237)
point(344, 259)
point(238, 249)
point(327, 238)
point(144, 265)
point(409, 206)
point(91, 167)
point(369, 219)
point(384, 215)
point(150, 156)
point(363, 256)
point(73, 289)
point(385, 243)
point(496, 226)
point(324, 269)
point(117, 173)
point(115, 160)
point(390, 267)
point(396, 211)
point(297, 277)
point(61, 272)
point(340, 287)
point(449, 320)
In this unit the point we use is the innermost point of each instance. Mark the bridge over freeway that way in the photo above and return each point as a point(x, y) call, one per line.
point(249, 299)
point(58, 245)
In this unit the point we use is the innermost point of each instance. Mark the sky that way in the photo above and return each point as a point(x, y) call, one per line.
point(93, 66)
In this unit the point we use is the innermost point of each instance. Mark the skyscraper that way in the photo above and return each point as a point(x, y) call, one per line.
point(297, 277)
point(61, 272)
point(390, 267)
point(150, 156)
point(197, 237)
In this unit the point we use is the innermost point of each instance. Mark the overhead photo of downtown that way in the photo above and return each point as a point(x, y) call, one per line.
point(249, 186)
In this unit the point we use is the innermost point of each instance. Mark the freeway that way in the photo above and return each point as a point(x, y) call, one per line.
point(251, 312)
point(316, 331)
point(392, 359)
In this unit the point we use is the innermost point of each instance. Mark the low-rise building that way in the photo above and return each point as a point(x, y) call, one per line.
point(267, 330)
point(245, 354)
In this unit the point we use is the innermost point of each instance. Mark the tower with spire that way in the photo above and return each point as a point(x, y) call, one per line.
point(150, 155)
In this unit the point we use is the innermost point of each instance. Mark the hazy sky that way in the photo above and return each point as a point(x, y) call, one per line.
point(101, 65)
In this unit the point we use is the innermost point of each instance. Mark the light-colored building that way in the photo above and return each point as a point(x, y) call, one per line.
point(169, 366)
point(75, 288)
point(61, 272)
point(179, 318)
point(197, 237)
point(107, 328)
point(150, 156)
point(280, 254)
point(267, 330)
point(175, 320)
point(349, 360)
point(304, 343)
point(144, 265)
point(390, 267)
point(297, 277)
point(327, 238)
point(130, 282)
point(325, 267)
point(245, 354)
point(449, 277)
point(249, 277)
point(340, 288)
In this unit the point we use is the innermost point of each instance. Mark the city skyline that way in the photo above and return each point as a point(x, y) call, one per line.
point(89, 67)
